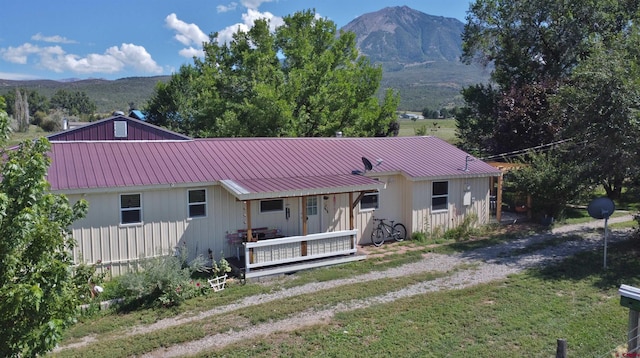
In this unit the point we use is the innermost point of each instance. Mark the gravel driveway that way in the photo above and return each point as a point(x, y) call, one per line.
point(489, 264)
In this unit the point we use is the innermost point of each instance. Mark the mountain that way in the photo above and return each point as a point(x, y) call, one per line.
point(403, 36)
point(419, 54)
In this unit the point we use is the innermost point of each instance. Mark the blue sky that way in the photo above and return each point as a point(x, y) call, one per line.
point(45, 39)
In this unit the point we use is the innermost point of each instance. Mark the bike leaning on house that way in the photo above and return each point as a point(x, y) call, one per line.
point(386, 229)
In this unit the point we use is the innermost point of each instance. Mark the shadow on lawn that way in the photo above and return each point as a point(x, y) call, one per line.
point(623, 266)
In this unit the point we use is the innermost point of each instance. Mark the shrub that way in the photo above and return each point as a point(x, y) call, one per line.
point(166, 280)
point(464, 230)
point(49, 125)
point(84, 275)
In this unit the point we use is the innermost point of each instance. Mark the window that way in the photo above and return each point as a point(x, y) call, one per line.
point(271, 205)
point(130, 209)
point(197, 203)
point(369, 201)
point(439, 195)
point(312, 205)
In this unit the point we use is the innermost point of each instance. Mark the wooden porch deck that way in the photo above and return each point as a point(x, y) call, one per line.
point(292, 254)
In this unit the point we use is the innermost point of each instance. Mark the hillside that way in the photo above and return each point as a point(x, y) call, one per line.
point(108, 95)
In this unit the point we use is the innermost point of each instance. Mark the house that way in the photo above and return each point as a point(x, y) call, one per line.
point(274, 204)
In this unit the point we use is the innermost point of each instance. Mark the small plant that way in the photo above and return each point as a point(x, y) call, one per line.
point(462, 231)
point(221, 267)
point(85, 277)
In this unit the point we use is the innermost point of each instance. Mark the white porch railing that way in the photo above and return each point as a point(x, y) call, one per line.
point(295, 249)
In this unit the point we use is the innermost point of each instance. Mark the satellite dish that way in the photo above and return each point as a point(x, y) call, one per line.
point(601, 208)
point(367, 164)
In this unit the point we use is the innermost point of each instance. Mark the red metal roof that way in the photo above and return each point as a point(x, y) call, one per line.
point(257, 164)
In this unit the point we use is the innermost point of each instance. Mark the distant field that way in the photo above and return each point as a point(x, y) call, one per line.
point(441, 128)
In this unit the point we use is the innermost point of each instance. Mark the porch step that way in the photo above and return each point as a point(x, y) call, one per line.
point(290, 268)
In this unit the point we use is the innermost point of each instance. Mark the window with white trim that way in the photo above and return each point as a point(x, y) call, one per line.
point(130, 209)
point(312, 205)
point(369, 201)
point(197, 202)
point(439, 195)
point(267, 206)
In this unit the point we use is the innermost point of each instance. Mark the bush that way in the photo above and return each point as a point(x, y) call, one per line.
point(464, 230)
point(166, 280)
point(49, 125)
point(84, 276)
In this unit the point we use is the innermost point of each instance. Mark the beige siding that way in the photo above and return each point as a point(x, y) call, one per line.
point(165, 226)
point(423, 219)
point(392, 205)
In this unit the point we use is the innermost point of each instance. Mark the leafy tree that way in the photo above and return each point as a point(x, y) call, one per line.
point(476, 122)
point(601, 109)
point(300, 80)
point(533, 47)
point(551, 182)
point(21, 111)
point(75, 103)
point(36, 292)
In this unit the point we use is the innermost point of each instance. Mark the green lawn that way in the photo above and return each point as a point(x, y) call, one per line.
point(522, 315)
point(441, 128)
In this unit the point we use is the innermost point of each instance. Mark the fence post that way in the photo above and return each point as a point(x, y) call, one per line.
point(561, 351)
point(632, 337)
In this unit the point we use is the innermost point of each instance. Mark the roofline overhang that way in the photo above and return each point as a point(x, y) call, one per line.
point(133, 188)
point(243, 194)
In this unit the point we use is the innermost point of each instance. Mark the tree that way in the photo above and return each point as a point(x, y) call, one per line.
point(533, 46)
point(75, 103)
point(551, 182)
point(21, 111)
point(300, 80)
point(37, 300)
point(600, 105)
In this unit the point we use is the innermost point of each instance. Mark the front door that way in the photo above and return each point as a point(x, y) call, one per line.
point(313, 215)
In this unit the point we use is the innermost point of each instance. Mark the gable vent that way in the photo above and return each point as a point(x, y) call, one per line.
point(120, 129)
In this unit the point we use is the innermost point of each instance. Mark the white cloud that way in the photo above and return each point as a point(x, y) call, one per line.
point(54, 39)
point(191, 52)
point(56, 59)
point(226, 8)
point(17, 76)
point(226, 35)
point(253, 4)
point(187, 34)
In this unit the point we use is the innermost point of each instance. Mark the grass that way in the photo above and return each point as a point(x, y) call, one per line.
point(16, 138)
point(522, 315)
point(445, 129)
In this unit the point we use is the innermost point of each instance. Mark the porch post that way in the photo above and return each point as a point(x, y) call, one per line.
point(351, 225)
point(499, 199)
point(249, 233)
point(304, 216)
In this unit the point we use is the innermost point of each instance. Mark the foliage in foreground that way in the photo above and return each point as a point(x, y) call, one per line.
point(37, 296)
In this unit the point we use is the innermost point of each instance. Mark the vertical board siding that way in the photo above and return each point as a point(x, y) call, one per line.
point(165, 226)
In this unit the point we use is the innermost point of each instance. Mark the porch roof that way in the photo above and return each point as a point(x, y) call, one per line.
point(266, 188)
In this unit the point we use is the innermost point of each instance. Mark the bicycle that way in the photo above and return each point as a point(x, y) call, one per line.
point(385, 230)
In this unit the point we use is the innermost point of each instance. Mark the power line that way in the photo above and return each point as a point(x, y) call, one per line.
point(526, 150)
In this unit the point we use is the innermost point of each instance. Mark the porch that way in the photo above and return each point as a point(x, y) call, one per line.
point(290, 254)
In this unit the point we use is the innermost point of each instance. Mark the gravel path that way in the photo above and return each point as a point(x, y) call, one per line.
point(489, 264)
